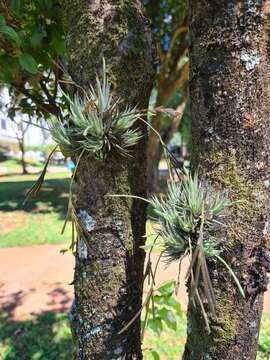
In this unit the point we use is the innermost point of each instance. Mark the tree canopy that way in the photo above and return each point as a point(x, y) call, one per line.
point(32, 53)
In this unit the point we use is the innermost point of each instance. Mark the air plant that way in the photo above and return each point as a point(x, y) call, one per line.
point(97, 123)
point(189, 220)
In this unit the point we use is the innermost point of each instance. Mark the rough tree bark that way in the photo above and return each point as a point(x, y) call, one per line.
point(108, 277)
point(230, 104)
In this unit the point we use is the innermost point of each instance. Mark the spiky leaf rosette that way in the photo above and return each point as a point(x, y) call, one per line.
point(189, 220)
point(97, 124)
point(180, 216)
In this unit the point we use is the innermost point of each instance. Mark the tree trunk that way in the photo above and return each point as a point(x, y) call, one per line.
point(230, 102)
point(108, 279)
point(21, 146)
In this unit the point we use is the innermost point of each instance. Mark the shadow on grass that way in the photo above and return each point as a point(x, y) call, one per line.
point(14, 300)
point(52, 197)
point(46, 336)
point(59, 299)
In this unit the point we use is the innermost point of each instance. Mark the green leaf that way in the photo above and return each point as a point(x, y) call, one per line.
point(36, 38)
point(173, 304)
point(159, 299)
point(147, 247)
point(2, 20)
point(28, 63)
point(155, 355)
point(167, 288)
point(237, 282)
point(47, 4)
point(168, 317)
point(8, 68)
point(155, 325)
point(10, 33)
point(44, 59)
point(59, 45)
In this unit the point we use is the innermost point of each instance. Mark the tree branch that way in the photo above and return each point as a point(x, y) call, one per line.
point(168, 134)
point(48, 108)
point(178, 47)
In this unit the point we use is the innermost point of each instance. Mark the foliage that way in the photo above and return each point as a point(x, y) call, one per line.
point(165, 309)
point(166, 17)
point(33, 55)
point(180, 216)
point(31, 44)
point(28, 44)
point(97, 124)
point(264, 338)
point(165, 318)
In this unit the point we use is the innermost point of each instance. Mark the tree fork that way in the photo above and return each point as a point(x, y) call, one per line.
point(108, 279)
point(230, 102)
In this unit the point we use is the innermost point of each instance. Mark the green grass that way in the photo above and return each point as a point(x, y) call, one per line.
point(39, 221)
point(264, 341)
point(48, 337)
point(43, 337)
point(14, 165)
point(169, 345)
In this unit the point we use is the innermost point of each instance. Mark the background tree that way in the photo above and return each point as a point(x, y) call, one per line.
point(20, 131)
point(169, 23)
point(229, 89)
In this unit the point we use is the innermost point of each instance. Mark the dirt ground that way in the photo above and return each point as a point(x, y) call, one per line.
point(36, 279)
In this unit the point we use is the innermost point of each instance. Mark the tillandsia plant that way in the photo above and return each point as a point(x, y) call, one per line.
point(98, 123)
point(189, 220)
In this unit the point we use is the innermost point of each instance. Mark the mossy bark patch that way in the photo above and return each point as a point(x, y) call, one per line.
point(230, 102)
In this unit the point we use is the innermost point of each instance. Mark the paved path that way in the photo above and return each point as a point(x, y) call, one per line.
point(36, 279)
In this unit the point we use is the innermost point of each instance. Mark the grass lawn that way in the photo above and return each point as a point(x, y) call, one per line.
point(14, 165)
point(48, 337)
point(45, 337)
point(39, 221)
